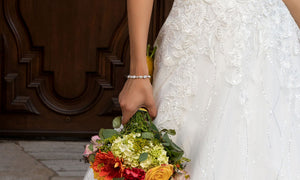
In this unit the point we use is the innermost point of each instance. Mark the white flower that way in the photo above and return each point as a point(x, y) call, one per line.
point(120, 128)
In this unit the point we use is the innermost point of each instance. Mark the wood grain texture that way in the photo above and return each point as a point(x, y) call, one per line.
point(1, 69)
point(63, 64)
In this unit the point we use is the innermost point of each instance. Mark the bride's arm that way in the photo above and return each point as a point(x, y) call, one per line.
point(137, 92)
point(139, 13)
point(294, 7)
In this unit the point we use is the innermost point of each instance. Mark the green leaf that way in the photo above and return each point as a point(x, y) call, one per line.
point(148, 50)
point(91, 147)
point(147, 135)
point(143, 157)
point(176, 155)
point(153, 52)
point(122, 178)
point(107, 133)
point(165, 144)
point(172, 144)
point(169, 131)
point(173, 151)
point(117, 122)
point(186, 159)
point(172, 132)
point(101, 133)
point(164, 130)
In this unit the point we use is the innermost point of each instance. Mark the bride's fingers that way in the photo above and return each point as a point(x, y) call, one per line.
point(151, 109)
point(127, 113)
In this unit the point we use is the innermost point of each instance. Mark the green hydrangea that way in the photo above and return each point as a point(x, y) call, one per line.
point(129, 147)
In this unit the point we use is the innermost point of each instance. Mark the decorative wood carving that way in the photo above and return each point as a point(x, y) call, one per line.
point(39, 79)
point(63, 64)
point(14, 102)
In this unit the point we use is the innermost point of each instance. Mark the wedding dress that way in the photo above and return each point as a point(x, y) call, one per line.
point(227, 79)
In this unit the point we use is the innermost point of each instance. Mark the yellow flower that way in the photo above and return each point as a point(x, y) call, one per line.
point(150, 66)
point(150, 59)
point(96, 176)
point(163, 172)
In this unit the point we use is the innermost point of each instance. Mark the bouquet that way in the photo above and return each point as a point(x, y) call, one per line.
point(135, 151)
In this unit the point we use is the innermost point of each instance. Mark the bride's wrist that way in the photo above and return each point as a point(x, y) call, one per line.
point(139, 68)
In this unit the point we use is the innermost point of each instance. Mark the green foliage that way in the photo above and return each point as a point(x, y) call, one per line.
point(147, 135)
point(141, 122)
point(91, 147)
point(151, 52)
point(174, 152)
point(138, 123)
point(107, 143)
point(117, 122)
point(107, 133)
point(169, 131)
point(143, 157)
point(92, 157)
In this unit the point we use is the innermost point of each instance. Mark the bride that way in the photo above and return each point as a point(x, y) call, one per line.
point(227, 79)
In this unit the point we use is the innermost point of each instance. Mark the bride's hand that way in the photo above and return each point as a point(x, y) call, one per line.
point(136, 93)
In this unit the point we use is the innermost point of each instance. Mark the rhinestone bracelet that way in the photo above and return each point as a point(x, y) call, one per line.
point(138, 77)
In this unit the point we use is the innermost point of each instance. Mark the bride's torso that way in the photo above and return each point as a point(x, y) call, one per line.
point(228, 11)
point(233, 28)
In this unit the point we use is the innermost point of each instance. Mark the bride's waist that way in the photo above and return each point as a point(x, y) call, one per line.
point(227, 8)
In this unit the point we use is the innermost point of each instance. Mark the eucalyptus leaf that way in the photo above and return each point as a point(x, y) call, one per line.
point(101, 133)
point(173, 151)
point(147, 135)
point(165, 144)
point(117, 122)
point(143, 157)
point(154, 129)
point(168, 140)
point(107, 133)
point(177, 155)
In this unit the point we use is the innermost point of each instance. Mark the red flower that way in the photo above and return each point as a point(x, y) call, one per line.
point(134, 174)
point(108, 166)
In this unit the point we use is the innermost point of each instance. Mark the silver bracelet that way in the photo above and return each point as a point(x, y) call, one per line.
point(138, 77)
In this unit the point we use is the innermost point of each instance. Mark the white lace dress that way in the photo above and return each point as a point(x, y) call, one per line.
point(227, 78)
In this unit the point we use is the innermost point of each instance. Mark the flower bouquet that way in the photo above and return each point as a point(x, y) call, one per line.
point(135, 151)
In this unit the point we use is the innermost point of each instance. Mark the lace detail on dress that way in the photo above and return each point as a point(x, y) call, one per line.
point(239, 31)
point(228, 70)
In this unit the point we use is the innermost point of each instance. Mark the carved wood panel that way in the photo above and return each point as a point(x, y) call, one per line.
point(63, 64)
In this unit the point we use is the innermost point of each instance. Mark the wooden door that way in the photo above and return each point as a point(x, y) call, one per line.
point(63, 64)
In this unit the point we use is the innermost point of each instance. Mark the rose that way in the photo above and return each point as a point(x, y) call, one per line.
point(87, 151)
point(94, 139)
point(163, 172)
point(91, 148)
point(134, 174)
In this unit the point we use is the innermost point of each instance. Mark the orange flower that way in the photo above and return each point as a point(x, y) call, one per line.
point(108, 166)
point(163, 172)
